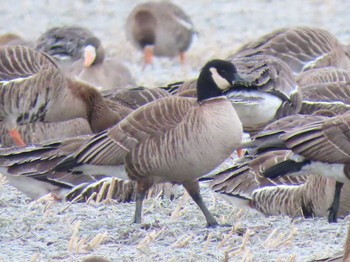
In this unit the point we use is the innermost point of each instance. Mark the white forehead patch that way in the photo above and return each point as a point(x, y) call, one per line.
point(221, 82)
point(90, 49)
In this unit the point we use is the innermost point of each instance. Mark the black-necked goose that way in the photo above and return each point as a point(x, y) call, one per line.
point(98, 70)
point(302, 48)
point(159, 28)
point(174, 139)
point(34, 88)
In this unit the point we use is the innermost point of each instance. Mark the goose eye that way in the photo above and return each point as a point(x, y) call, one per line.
point(223, 72)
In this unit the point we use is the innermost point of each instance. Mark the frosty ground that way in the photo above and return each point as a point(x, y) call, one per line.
point(172, 230)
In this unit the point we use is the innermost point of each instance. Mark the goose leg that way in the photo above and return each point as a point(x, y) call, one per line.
point(182, 58)
point(148, 56)
point(16, 137)
point(333, 210)
point(141, 188)
point(192, 188)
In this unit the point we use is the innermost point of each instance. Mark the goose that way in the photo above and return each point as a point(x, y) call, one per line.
point(34, 88)
point(38, 132)
point(64, 43)
point(169, 139)
point(301, 47)
point(13, 39)
point(98, 70)
point(325, 91)
point(272, 95)
point(159, 28)
point(320, 147)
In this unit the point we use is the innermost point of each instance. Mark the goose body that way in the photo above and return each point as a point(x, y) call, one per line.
point(64, 43)
point(272, 94)
point(168, 140)
point(161, 28)
point(35, 89)
point(98, 70)
point(302, 48)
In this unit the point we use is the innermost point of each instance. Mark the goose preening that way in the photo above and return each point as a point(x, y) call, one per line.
point(302, 48)
point(160, 29)
point(98, 70)
point(173, 139)
point(34, 88)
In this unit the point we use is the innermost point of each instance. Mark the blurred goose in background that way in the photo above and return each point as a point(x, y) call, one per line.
point(34, 88)
point(302, 48)
point(98, 70)
point(160, 29)
point(13, 39)
point(168, 140)
point(64, 43)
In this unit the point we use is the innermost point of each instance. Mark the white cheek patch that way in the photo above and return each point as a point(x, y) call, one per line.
point(221, 82)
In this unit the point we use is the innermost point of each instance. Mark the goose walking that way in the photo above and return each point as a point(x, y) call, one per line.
point(173, 139)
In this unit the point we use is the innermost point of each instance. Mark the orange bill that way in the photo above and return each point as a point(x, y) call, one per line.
point(16, 137)
point(89, 55)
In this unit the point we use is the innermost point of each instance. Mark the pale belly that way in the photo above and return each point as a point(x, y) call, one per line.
point(255, 108)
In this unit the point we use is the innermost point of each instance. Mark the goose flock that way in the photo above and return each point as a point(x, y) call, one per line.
point(75, 122)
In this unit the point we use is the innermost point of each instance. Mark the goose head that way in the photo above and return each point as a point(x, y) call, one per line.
point(93, 52)
point(216, 77)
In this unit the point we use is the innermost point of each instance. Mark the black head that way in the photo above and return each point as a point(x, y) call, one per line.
point(216, 77)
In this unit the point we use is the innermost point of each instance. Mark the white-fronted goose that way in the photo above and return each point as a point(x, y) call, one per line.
point(98, 70)
point(34, 88)
point(64, 43)
point(302, 48)
point(168, 140)
point(159, 28)
point(38, 132)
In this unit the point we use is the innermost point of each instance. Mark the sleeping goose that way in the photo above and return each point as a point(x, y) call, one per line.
point(34, 88)
point(302, 48)
point(98, 70)
point(173, 139)
point(159, 28)
point(320, 147)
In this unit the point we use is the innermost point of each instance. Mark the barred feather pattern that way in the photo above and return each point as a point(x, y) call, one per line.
point(302, 48)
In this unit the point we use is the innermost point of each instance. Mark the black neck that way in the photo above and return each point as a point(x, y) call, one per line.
point(205, 89)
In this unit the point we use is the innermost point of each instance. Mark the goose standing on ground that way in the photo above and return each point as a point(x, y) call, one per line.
point(160, 29)
point(34, 88)
point(174, 139)
point(302, 48)
point(98, 70)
